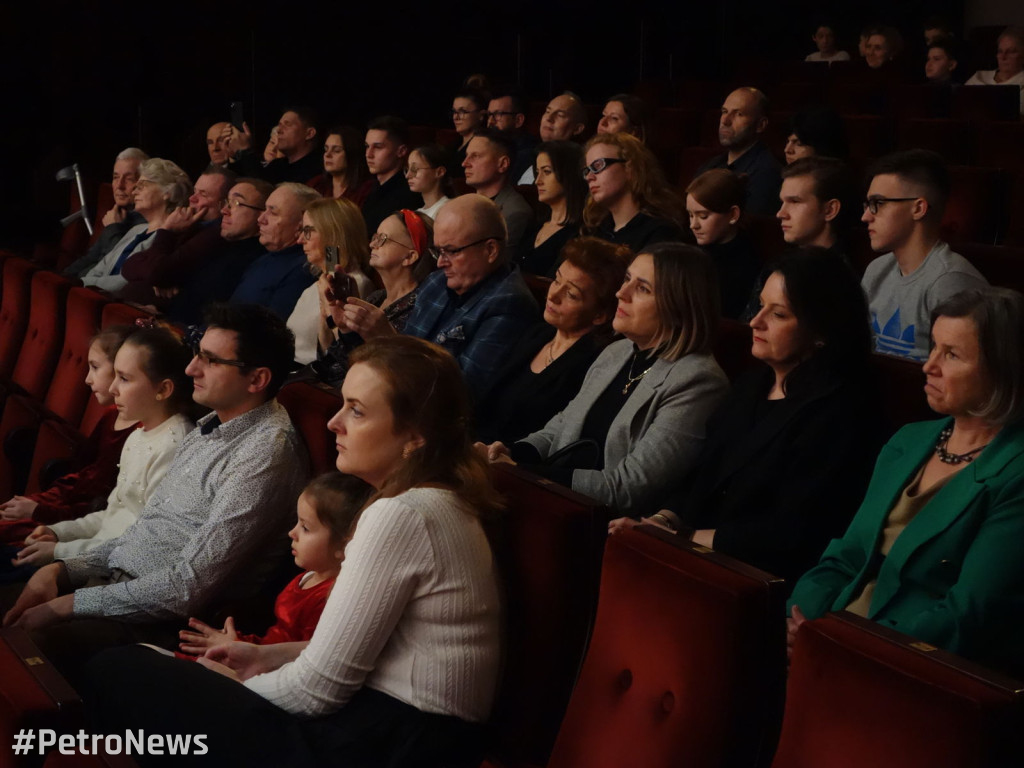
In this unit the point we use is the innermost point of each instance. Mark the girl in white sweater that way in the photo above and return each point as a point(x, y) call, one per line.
point(150, 387)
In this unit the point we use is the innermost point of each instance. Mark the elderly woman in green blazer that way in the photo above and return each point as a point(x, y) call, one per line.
point(935, 550)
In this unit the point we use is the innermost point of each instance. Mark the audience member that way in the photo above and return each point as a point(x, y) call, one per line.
point(941, 61)
point(1009, 63)
point(295, 145)
point(816, 131)
point(564, 119)
point(882, 46)
point(744, 119)
point(714, 202)
point(545, 368)
point(119, 219)
point(206, 538)
point(475, 304)
point(764, 489)
point(918, 270)
point(345, 174)
point(207, 268)
point(638, 421)
point(936, 28)
point(630, 203)
point(178, 228)
point(278, 276)
point(218, 143)
point(562, 189)
point(506, 112)
point(933, 551)
point(161, 188)
point(817, 207)
point(427, 176)
point(469, 116)
point(624, 112)
point(387, 145)
point(825, 38)
point(415, 615)
point(328, 223)
point(487, 164)
point(151, 389)
point(400, 252)
point(78, 493)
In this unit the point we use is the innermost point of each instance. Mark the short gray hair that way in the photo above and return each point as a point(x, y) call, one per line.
point(174, 183)
point(303, 193)
point(132, 153)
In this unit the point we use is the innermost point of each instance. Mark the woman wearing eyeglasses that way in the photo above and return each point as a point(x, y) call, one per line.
point(399, 253)
point(328, 222)
point(630, 202)
point(427, 173)
point(469, 116)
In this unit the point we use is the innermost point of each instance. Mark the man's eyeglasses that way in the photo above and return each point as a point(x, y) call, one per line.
point(502, 114)
point(207, 359)
point(451, 253)
point(875, 202)
point(600, 164)
point(234, 202)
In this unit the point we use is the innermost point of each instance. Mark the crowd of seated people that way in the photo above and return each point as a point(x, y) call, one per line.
point(362, 266)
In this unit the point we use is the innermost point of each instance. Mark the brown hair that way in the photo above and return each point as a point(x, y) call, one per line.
point(337, 500)
point(340, 223)
point(719, 190)
point(647, 183)
point(427, 395)
point(686, 295)
point(605, 263)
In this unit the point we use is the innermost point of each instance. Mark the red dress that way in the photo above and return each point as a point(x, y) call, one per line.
point(297, 611)
point(75, 495)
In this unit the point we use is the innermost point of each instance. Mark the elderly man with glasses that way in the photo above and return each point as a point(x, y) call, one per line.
point(475, 304)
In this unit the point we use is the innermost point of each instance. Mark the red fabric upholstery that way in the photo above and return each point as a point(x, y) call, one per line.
point(116, 313)
point(14, 311)
point(685, 665)
point(44, 335)
point(950, 138)
point(863, 695)
point(311, 407)
point(68, 395)
point(975, 209)
point(538, 286)
point(732, 347)
point(901, 385)
point(868, 135)
point(549, 550)
point(990, 102)
point(999, 145)
point(104, 202)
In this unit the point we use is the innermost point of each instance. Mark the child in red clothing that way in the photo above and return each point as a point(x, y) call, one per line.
point(76, 494)
point(327, 511)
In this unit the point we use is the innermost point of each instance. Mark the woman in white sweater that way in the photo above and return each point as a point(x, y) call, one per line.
point(150, 387)
point(403, 666)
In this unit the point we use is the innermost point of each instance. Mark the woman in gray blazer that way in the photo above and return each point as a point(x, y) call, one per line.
point(637, 423)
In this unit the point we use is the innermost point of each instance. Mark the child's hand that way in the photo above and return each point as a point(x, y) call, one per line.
point(206, 637)
point(18, 508)
point(41, 533)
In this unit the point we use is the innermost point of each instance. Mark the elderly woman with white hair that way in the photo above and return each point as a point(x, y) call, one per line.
point(162, 187)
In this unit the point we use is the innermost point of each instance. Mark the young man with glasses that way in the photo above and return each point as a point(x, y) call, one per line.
point(211, 533)
point(918, 271)
point(506, 112)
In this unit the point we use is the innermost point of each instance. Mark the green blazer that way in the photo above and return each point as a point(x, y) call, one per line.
point(955, 576)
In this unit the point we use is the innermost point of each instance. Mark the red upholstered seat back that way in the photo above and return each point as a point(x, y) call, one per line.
point(311, 407)
point(14, 311)
point(685, 664)
point(863, 695)
point(43, 336)
point(68, 394)
point(974, 211)
point(900, 382)
point(549, 550)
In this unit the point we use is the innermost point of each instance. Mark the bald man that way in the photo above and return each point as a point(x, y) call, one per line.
point(743, 121)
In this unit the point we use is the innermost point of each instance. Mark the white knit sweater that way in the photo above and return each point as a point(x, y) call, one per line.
point(414, 614)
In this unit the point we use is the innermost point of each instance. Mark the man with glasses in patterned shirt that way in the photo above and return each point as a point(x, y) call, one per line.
point(211, 533)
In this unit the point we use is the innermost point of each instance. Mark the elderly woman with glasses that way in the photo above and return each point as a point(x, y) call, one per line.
point(334, 224)
point(399, 251)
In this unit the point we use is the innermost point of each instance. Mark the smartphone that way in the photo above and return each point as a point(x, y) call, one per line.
point(331, 259)
point(341, 286)
point(237, 114)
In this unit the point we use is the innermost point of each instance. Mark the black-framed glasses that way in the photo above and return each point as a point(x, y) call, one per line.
point(502, 113)
point(306, 232)
point(451, 253)
point(207, 359)
point(234, 202)
point(874, 202)
point(600, 164)
point(380, 239)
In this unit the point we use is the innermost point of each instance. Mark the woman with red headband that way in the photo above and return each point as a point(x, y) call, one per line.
point(399, 251)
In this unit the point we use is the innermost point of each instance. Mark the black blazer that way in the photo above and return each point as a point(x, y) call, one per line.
point(777, 489)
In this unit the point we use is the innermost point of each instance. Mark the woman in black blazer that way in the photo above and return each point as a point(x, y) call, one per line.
point(791, 449)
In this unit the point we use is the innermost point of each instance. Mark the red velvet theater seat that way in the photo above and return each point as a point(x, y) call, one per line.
point(975, 210)
point(863, 695)
point(311, 407)
point(549, 551)
point(685, 666)
point(68, 394)
point(900, 383)
point(14, 311)
point(43, 335)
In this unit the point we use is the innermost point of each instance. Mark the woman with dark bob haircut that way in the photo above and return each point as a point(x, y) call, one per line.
point(935, 548)
point(403, 665)
point(638, 420)
point(560, 188)
point(789, 452)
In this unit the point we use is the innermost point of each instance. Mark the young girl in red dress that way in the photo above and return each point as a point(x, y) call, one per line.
point(327, 511)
